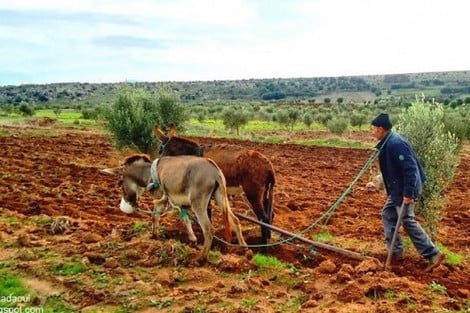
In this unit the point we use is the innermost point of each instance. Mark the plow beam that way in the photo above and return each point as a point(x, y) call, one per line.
point(320, 245)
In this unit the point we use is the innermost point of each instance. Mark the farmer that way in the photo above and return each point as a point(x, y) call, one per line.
point(403, 177)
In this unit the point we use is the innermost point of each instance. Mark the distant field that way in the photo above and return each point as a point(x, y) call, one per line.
point(256, 130)
point(67, 116)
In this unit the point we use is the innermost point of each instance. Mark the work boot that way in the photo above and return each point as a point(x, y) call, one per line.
point(435, 261)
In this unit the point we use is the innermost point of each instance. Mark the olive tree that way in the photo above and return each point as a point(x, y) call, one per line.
point(308, 119)
point(437, 149)
point(294, 116)
point(130, 119)
point(235, 118)
point(337, 125)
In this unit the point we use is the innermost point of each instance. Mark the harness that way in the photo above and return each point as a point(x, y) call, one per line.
point(155, 183)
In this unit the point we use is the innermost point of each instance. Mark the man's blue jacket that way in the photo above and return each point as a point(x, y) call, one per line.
point(401, 170)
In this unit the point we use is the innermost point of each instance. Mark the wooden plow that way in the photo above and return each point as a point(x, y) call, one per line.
point(320, 245)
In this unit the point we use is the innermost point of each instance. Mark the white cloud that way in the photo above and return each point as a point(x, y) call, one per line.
point(114, 40)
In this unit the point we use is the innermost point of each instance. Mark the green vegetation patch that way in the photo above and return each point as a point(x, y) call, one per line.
point(68, 269)
point(324, 237)
point(334, 143)
point(452, 258)
point(57, 304)
point(11, 285)
point(265, 261)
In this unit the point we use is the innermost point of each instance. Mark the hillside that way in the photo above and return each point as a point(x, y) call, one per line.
point(444, 86)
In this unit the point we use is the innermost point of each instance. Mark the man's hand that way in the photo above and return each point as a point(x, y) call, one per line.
point(371, 187)
point(376, 184)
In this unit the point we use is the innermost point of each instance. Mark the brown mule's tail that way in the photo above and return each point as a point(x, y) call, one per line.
point(268, 199)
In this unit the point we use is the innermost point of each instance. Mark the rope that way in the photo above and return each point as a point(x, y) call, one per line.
point(330, 211)
point(327, 215)
point(366, 167)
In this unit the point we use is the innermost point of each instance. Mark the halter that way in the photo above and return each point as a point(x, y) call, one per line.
point(163, 146)
point(199, 149)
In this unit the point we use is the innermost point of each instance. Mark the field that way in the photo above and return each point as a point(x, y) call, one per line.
point(66, 247)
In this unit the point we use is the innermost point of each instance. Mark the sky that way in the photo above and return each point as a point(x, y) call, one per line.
point(103, 41)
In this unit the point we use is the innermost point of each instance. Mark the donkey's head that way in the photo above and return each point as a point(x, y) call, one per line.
point(172, 144)
point(134, 173)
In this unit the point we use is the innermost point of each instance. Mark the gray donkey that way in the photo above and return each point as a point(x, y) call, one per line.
point(178, 181)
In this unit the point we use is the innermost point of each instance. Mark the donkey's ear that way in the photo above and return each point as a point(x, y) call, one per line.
point(113, 170)
point(159, 133)
point(172, 130)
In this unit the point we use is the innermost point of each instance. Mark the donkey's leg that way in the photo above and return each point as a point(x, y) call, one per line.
point(235, 223)
point(189, 229)
point(203, 219)
point(160, 206)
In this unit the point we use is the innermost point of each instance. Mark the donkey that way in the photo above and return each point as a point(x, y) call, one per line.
point(246, 171)
point(179, 181)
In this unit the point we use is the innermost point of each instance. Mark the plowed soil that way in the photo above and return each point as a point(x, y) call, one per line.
point(59, 213)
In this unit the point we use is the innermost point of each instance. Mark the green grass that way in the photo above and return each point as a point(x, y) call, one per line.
point(9, 220)
point(435, 287)
point(67, 117)
point(324, 237)
point(261, 131)
point(217, 126)
point(68, 269)
point(452, 258)
point(11, 285)
point(139, 226)
point(55, 304)
point(336, 142)
point(265, 261)
point(249, 303)
point(214, 257)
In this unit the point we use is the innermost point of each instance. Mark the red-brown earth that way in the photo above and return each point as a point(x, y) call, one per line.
point(57, 210)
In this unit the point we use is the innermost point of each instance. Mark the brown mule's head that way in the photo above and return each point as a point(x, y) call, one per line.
point(172, 144)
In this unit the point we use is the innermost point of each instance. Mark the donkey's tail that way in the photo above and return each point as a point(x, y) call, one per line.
point(220, 195)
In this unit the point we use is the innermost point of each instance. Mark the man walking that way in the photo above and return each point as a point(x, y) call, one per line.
point(403, 177)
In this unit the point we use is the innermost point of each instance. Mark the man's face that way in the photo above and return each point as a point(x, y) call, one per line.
point(378, 132)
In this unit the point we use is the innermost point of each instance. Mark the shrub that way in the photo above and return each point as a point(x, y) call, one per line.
point(337, 125)
point(308, 120)
point(57, 110)
point(324, 118)
point(293, 115)
point(358, 119)
point(92, 113)
point(26, 109)
point(423, 126)
point(132, 116)
point(457, 125)
point(235, 118)
point(168, 109)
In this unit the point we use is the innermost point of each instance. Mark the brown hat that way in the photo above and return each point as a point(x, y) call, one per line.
point(382, 120)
